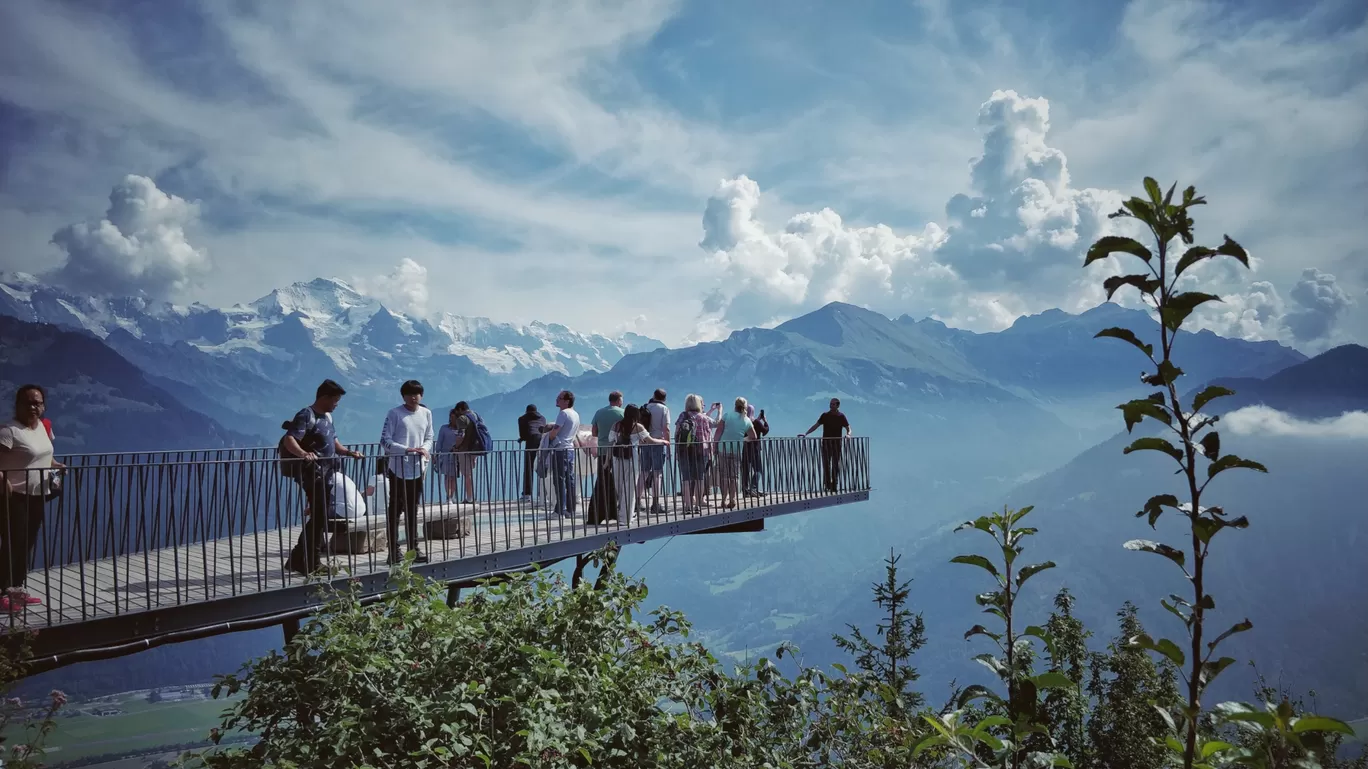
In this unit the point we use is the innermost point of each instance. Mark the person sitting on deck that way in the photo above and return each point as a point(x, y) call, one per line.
point(311, 449)
point(406, 440)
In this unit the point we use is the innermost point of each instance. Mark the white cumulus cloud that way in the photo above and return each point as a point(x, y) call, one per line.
point(1320, 303)
point(1262, 420)
point(139, 248)
point(1011, 246)
point(404, 290)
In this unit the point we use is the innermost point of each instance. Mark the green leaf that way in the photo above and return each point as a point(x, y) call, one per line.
point(1311, 723)
point(1212, 747)
point(1232, 249)
point(1143, 283)
point(1036, 631)
point(1212, 669)
point(1167, 374)
point(1163, 646)
point(1192, 256)
point(1154, 444)
point(1230, 462)
point(1238, 627)
point(981, 630)
point(1206, 527)
point(1126, 335)
point(976, 692)
point(1144, 545)
point(1211, 445)
point(1154, 507)
point(992, 663)
point(1180, 306)
point(1242, 713)
point(1052, 680)
point(1152, 188)
point(1111, 244)
point(1211, 393)
point(979, 561)
point(1135, 412)
point(1030, 571)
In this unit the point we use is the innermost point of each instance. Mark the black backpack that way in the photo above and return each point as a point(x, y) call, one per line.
point(292, 466)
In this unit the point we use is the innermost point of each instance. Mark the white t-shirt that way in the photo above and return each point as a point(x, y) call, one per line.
point(25, 448)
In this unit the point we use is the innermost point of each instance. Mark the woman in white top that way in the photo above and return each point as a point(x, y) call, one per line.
point(628, 434)
point(28, 472)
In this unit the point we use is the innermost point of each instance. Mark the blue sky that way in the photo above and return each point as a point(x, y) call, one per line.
point(563, 161)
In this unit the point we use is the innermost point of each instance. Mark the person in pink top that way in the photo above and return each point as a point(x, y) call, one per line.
point(29, 480)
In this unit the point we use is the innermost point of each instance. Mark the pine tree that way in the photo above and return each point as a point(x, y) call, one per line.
point(902, 633)
point(1125, 681)
point(1066, 709)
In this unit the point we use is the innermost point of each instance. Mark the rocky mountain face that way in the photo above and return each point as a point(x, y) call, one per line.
point(264, 358)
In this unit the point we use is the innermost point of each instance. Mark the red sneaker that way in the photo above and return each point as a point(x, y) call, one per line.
point(6, 605)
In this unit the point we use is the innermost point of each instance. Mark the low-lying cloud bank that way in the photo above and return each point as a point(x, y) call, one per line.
point(1262, 420)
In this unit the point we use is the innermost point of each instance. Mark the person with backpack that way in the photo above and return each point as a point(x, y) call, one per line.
point(627, 439)
point(693, 451)
point(752, 455)
point(531, 425)
point(449, 437)
point(406, 439)
point(655, 417)
point(475, 443)
point(309, 455)
point(31, 478)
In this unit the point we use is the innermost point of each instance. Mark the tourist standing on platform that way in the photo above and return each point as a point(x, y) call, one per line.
point(693, 452)
point(309, 452)
point(467, 451)
point(444, 461)
point(406, 439)
point(835, 428)
point(652, 457)
point(625, 438)
point(601, 428)
point(752, 455)
point(30, 478)
point(734, 432)
point(562, 439)
point(531, 425)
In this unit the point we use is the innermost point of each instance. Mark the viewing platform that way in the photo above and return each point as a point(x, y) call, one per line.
point(143, 549)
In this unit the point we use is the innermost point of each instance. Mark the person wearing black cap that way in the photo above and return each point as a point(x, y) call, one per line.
point(531, 425)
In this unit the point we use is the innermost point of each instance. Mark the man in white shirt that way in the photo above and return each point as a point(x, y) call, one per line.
point(562, 438)
point(406, 440)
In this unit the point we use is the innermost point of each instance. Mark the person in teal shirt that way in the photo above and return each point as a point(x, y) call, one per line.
point(601, 426)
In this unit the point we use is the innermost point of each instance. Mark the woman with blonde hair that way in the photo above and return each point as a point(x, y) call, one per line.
point(732, 433)
point(693, 450)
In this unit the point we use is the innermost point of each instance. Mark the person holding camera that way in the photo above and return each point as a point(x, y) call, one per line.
point(310, 451)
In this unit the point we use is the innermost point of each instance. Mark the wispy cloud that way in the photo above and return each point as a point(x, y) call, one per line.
point(1262, 420)
point(577, 142)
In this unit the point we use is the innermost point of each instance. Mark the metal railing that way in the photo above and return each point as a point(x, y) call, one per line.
point(136, 532)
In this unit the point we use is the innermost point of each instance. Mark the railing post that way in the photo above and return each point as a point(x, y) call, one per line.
point(291, 628)
point(453, 595)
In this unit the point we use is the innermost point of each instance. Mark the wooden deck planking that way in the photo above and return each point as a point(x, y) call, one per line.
point(254, 562)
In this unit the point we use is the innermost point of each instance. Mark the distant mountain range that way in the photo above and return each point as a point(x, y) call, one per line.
point(255, 364)
point(957, 419)
point(1299, 572)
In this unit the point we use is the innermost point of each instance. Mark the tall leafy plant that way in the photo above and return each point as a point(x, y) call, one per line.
point(1014, 732)
point(1191, 441)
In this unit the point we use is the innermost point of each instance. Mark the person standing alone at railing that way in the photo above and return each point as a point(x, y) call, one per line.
point(835, 429)
point(531, 425)
point(29, 480)
point(406, 440)
point(562, 436)
point(309, 454)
